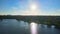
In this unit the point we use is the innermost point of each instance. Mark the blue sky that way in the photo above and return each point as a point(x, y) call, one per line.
point(22, 7)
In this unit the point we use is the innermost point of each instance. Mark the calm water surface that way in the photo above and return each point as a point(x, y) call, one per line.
point(12, 26)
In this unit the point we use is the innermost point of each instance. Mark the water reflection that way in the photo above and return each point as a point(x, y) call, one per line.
point(12, 26)
point(33, 27)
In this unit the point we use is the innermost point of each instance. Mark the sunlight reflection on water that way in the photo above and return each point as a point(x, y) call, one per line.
point(33, 27)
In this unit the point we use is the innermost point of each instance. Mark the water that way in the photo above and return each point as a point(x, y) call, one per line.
point(12, 26)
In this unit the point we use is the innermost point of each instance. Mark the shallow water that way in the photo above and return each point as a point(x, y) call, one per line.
point(12, 26)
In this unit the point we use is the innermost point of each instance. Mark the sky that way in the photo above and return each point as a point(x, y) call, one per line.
point(29, 7)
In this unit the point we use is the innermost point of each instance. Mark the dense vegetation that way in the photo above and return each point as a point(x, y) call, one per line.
point(48, 20)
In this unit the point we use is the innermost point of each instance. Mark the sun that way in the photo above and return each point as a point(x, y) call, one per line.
point(32, 10)
point(33, 7)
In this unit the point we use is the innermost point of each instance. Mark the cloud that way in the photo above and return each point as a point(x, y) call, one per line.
point(16, 11)
point(19, 11)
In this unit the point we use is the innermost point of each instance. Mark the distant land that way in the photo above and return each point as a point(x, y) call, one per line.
point(48, 20)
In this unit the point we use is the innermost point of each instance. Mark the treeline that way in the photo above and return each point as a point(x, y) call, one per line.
point(48, 20)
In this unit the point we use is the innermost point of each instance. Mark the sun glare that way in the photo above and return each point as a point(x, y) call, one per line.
point(33, 7)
